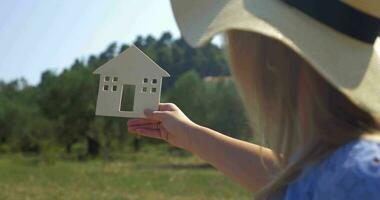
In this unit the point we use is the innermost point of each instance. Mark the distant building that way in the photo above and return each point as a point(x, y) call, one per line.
point(216, 78)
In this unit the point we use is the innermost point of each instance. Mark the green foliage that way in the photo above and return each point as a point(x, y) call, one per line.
point(188, 93)
point(177, 57)
point(212, 102)
point(58, 115)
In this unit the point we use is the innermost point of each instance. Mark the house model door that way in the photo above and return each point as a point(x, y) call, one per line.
point(128, 98)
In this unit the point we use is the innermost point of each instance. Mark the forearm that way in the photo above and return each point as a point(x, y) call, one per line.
point(242, 161)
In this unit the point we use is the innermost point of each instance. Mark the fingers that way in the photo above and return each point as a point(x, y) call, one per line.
point(147, 132)
point(157, 115)
point(150, 126)
point(138, 122)
point(163, 112)
point(167, 107)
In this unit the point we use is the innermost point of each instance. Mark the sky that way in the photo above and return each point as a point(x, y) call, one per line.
point(36, 35)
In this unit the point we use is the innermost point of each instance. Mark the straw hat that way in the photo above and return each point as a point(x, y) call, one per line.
point(339, 38)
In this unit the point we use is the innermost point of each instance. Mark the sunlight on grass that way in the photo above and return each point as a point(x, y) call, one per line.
point(141, 176)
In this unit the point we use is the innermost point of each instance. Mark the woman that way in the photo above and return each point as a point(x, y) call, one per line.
point(309, 75)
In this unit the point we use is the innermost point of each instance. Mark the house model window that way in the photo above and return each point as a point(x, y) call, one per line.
point(129, 84)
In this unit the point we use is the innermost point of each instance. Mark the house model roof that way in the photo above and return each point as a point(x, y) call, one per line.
point(131, 59)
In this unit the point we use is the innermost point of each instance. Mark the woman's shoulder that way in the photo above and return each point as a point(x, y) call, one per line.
point(361, 157)
point(351, 172)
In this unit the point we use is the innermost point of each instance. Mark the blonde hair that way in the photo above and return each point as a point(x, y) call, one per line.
point(269, 75)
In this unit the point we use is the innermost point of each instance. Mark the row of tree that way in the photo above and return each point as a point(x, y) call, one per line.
point(57, 115)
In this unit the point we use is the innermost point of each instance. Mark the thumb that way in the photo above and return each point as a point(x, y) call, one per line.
point(156, 115)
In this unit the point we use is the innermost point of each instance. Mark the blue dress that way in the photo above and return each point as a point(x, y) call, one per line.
point(350, 173)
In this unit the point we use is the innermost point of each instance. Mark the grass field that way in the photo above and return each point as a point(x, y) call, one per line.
point(143, 175)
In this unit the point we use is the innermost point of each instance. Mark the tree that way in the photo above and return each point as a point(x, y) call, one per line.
point(60, 110)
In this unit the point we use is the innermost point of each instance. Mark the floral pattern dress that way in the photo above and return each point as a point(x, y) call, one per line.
point(350, 173)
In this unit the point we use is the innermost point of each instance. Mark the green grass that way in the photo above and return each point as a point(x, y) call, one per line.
point(145, 175)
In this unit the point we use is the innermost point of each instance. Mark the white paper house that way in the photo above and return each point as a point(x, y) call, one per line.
point(131, 70)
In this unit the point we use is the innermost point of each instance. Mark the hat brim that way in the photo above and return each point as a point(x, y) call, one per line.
point(349, 64)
